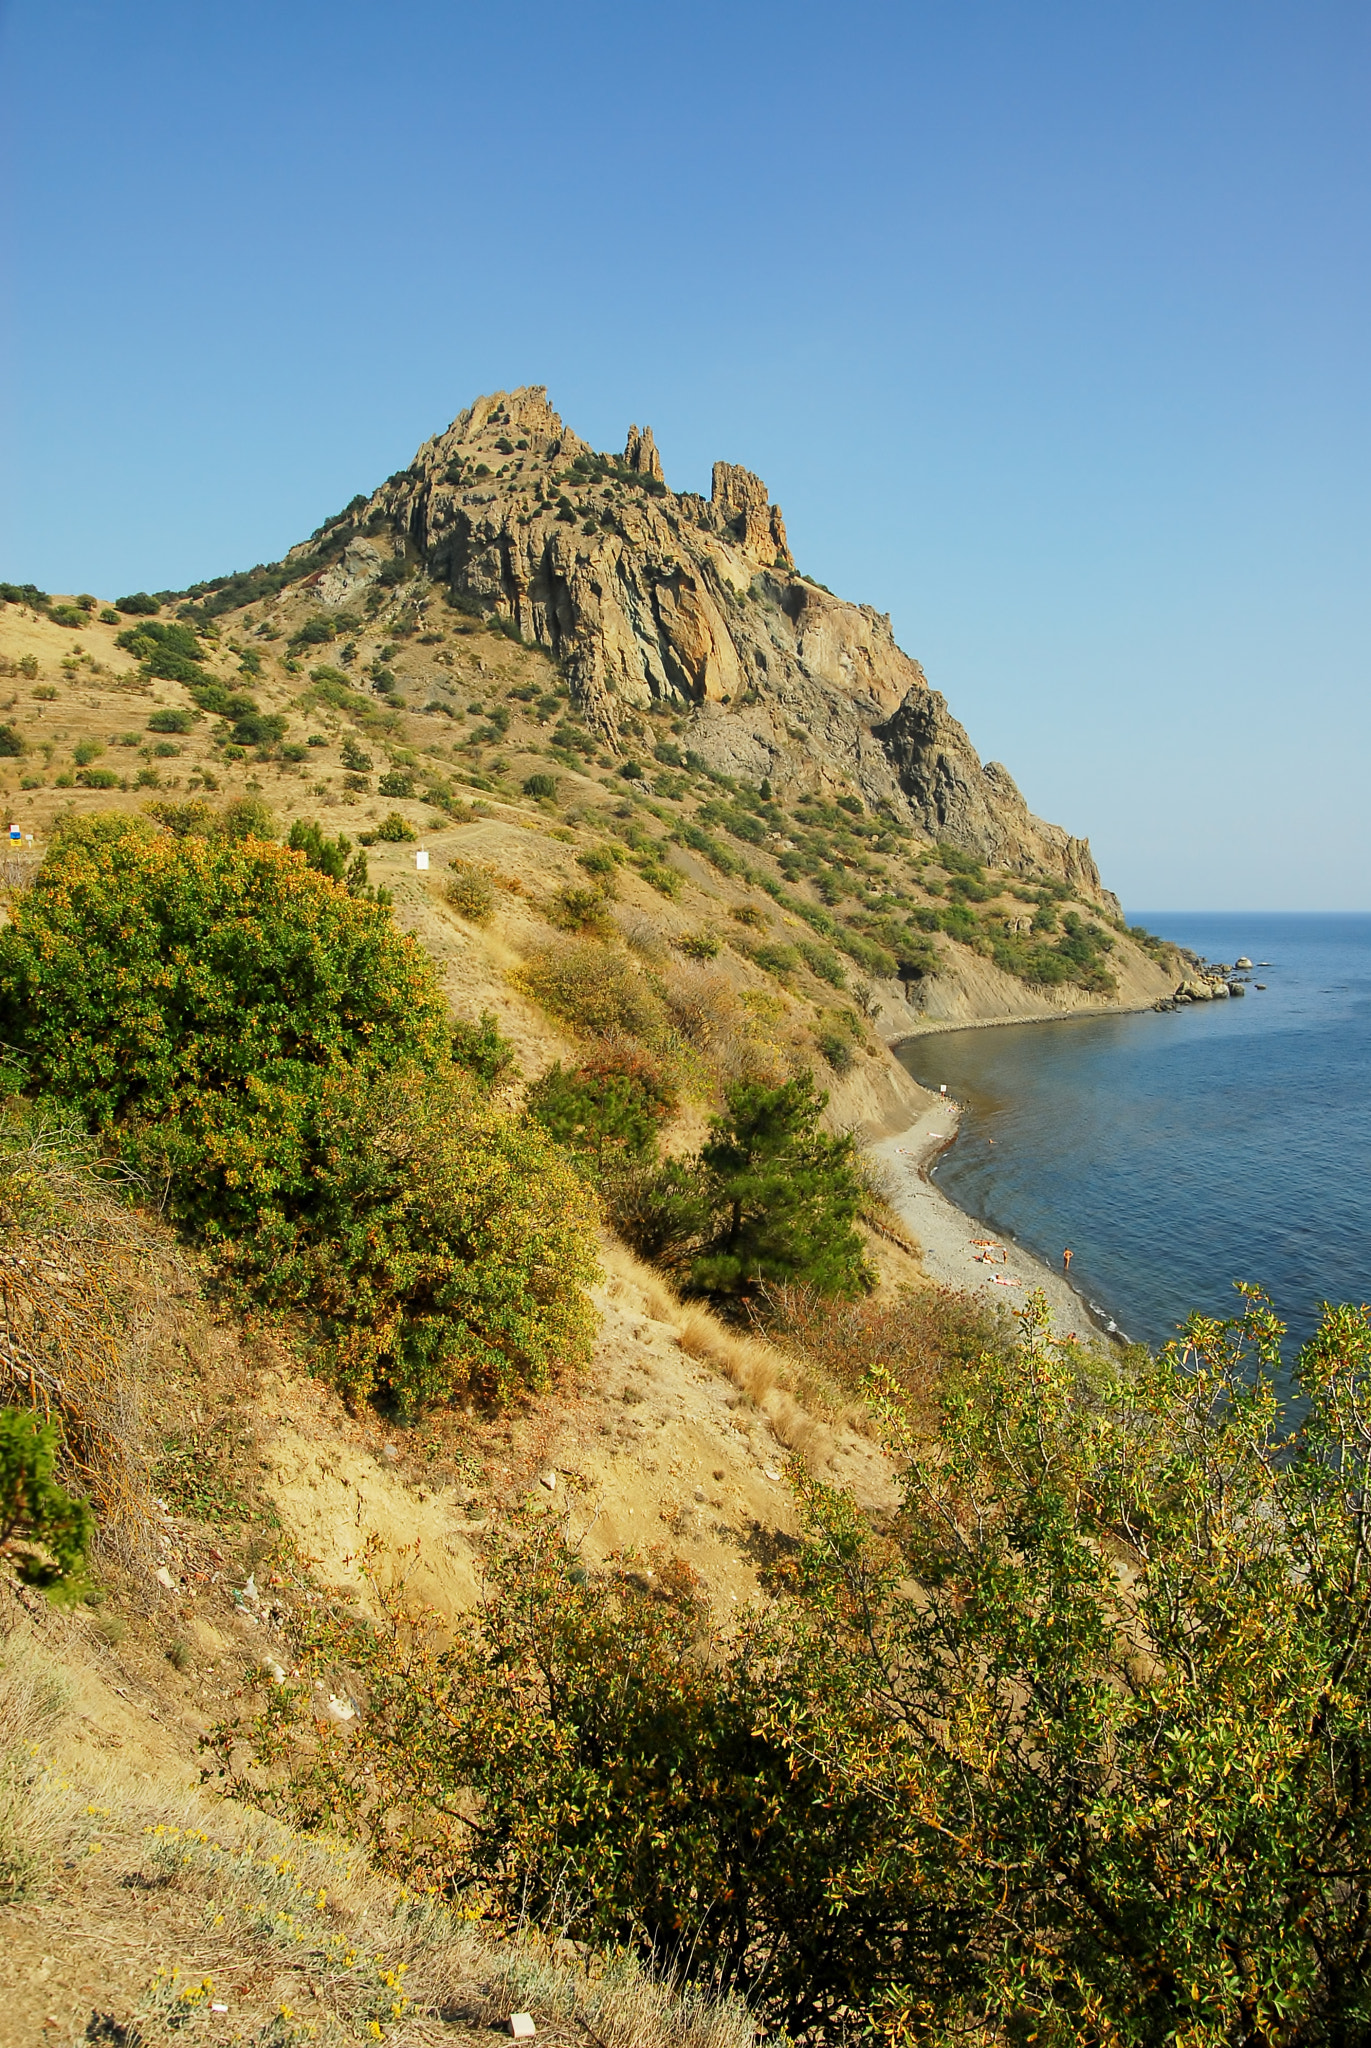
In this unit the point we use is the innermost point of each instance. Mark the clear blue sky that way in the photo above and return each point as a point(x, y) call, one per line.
point(1046, 323)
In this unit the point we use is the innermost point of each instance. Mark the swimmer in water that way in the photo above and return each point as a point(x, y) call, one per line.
point(1067, 1256)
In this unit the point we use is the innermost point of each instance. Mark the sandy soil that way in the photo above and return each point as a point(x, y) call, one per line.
point(955, 1248)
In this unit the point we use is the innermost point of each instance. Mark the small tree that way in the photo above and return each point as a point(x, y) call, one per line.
point(484, 1051)
point(784, 1195)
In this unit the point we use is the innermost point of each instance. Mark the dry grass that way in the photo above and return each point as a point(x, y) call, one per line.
point(192, 1903)
point(83, 1289)
point(800, 1403)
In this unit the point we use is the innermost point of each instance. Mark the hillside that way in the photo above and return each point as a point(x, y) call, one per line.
point(518, 635)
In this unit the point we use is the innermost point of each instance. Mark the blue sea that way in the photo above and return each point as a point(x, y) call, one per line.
point(1178, 1153)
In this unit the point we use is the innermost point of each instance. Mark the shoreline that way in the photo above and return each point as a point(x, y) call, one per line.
point(935, 1026)
point(949, 1237)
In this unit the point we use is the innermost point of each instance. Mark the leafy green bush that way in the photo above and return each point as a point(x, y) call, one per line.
point(541, 786)
point(608, 1110)
point(99, 778)
point(470, 891)
point(315, 632)
point(396, 783)
point(330, 856)
point(701, 945)
point(11, 742)
point(138, 606)
point(54, 1530)
point(256, 728)
point(165, 649)
point(483, 1051)
point(189, 997)
point(353, 757)
point(67, 615)
point(171, 719)
point(86, 751)
point(445, 1249)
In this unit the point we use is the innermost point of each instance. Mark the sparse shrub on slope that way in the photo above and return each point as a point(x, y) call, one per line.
point(77, 1276)
point(595, 988)
point(189, 998)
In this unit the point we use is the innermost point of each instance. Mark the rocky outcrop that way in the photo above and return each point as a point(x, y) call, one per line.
point(640, 454)
point(648, 597)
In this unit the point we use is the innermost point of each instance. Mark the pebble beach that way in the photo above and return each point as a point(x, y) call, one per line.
point(959, 1250)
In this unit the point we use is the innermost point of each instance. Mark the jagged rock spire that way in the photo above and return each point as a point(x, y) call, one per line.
point(640, 453)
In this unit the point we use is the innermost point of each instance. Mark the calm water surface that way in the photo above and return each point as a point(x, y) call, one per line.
point(1176, 1154)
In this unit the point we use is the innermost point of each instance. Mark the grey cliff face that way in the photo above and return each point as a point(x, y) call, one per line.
point(647, 595)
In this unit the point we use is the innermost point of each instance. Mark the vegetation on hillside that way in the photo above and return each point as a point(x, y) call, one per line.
point(251, 1035)
point(1074, 1748)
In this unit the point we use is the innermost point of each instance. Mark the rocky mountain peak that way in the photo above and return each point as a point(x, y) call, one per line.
point(656, 600)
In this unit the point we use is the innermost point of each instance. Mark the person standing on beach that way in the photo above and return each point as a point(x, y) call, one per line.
point(1066, 1260)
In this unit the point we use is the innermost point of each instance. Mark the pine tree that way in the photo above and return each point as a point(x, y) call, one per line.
point(785, 1195)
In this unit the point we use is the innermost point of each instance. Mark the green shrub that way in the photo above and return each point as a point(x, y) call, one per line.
point(483, 1051)
point(541, 786)
point(445, 1251)
point(86, 751)
point(315, 632)
point(601, 861)
point(701, 945)
point(99, 778)
point(770, 1199)
point(773, 957)
point(396, 783)
point(52, 1530)
point(172, 719)
point(580, 910)
point(397, 830)
point(470, 891)
point(256, 728)
point(188, 998)
point(11, 743)
point(608, 1110)
point(138, 606)
point(67, 615)
point(836, 1046)
point(822, 961)
point(165, 649)
point(330, 856)
point(353, 757)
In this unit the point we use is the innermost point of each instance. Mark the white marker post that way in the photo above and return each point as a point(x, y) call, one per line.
point(421, 860)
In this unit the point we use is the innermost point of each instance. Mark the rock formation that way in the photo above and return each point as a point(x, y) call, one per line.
point(649, 597)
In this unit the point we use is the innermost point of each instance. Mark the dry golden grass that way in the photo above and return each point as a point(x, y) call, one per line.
point(83, 1288)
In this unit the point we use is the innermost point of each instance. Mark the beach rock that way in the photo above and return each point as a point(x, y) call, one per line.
point(1235, 988)
point(1242, 961)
